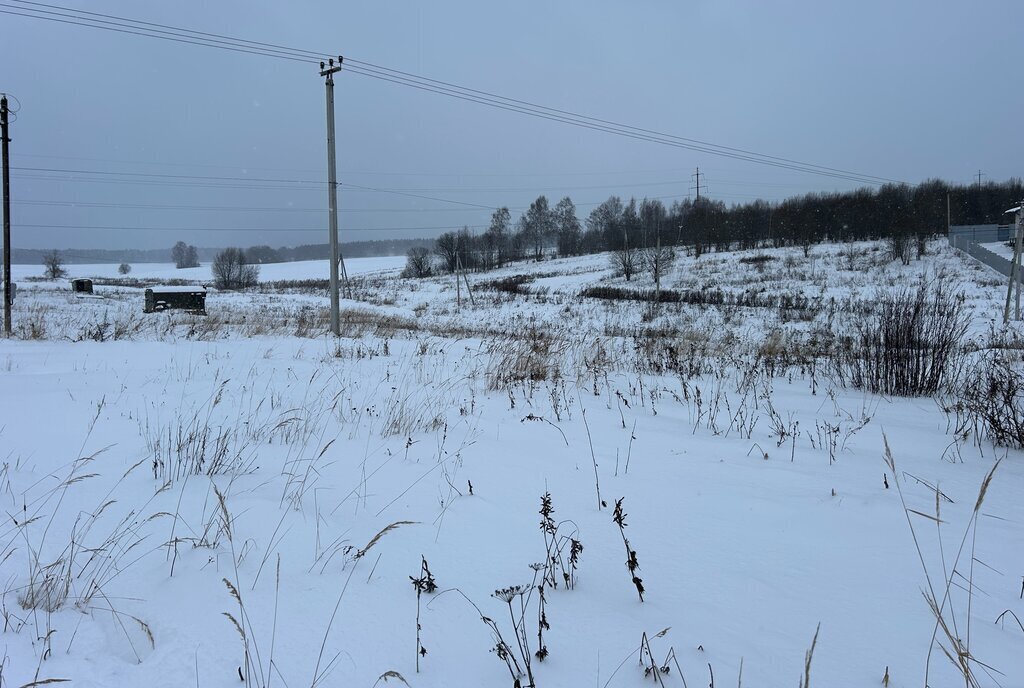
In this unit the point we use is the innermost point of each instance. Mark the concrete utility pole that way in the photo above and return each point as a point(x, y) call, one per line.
point(1017, 253)
point(657, 269)
point(332, 195)
point(947, 214)
point(1015, 265)
point(697, 174)
point(4, 111)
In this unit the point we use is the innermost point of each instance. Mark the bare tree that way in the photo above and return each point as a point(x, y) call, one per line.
point(900, 246)
point(417, 263)
point(604, 224)
point(567, 227)
point(626, 262)
point(537, 225)
point(497, 238)
point(231, 271)
point(656, 260)
point(626, 259)
point(185, 255)
point(124, 268)
point(53, 262)
point(653, 217)
point(448, 246)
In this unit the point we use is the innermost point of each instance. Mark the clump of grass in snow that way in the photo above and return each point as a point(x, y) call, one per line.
point(653, 669)
point(80, 572)
point(534, 356)
point(989, 400)
point(908, 345)
point(956, 633)
point(805, 681)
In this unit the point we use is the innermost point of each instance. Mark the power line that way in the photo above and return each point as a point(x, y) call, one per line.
point(129, 228)
point(356, 173)
point(97, 24)
point(170, 176)
point(716, 180)
point(206, 179)
point(154, 206)
point(207, 36)
point(611, 123)
point(299, 184)
point(622, 130)
point(221, 41)
point(191, 179)
point(449, 189)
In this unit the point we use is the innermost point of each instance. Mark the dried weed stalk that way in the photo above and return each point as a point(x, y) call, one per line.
point(619, 516)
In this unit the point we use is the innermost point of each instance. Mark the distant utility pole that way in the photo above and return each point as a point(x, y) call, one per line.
point(1015, 265)
point(947, 214)
point(5, 138)
point(697, 175)
point(332, 195)
point(980, 175)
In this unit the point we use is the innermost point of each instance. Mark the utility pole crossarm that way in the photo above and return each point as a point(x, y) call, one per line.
point(330, 69)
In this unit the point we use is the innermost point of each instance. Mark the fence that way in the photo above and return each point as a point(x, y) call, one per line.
point(968, 238)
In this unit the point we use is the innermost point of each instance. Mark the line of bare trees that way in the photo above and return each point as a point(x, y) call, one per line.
point(644, 235)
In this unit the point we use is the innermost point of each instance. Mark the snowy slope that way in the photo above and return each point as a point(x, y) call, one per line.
point(115, 556)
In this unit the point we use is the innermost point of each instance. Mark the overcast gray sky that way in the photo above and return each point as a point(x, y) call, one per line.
point(903, 90)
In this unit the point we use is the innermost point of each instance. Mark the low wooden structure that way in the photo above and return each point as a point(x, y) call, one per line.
point(189, 298)
point(81, 286)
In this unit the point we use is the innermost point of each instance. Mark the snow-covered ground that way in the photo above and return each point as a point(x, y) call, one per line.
point(191, 499)
point(1000, 248)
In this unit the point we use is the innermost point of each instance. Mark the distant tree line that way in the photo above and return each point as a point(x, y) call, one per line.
point(639, 233)
point(258, 254)
point(264, 254)
point(629, 226)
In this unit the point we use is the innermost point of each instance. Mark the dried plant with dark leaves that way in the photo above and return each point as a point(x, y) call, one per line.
point(555, 565)
point(619, 516)
point(518, 659)
point(542, 624)
point(551, 549)
point(424, 584)
point(575, 550)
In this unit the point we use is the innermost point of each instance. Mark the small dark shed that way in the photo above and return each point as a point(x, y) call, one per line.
point(81, 286)
point(192, 299)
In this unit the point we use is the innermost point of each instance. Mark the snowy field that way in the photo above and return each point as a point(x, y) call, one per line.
point(297, 270)
point(241, 499)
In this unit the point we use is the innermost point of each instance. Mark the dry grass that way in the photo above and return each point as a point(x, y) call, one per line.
point(952, 630)
point(376, 538)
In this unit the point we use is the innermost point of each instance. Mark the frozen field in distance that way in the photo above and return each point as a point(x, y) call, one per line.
point(296, 270)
